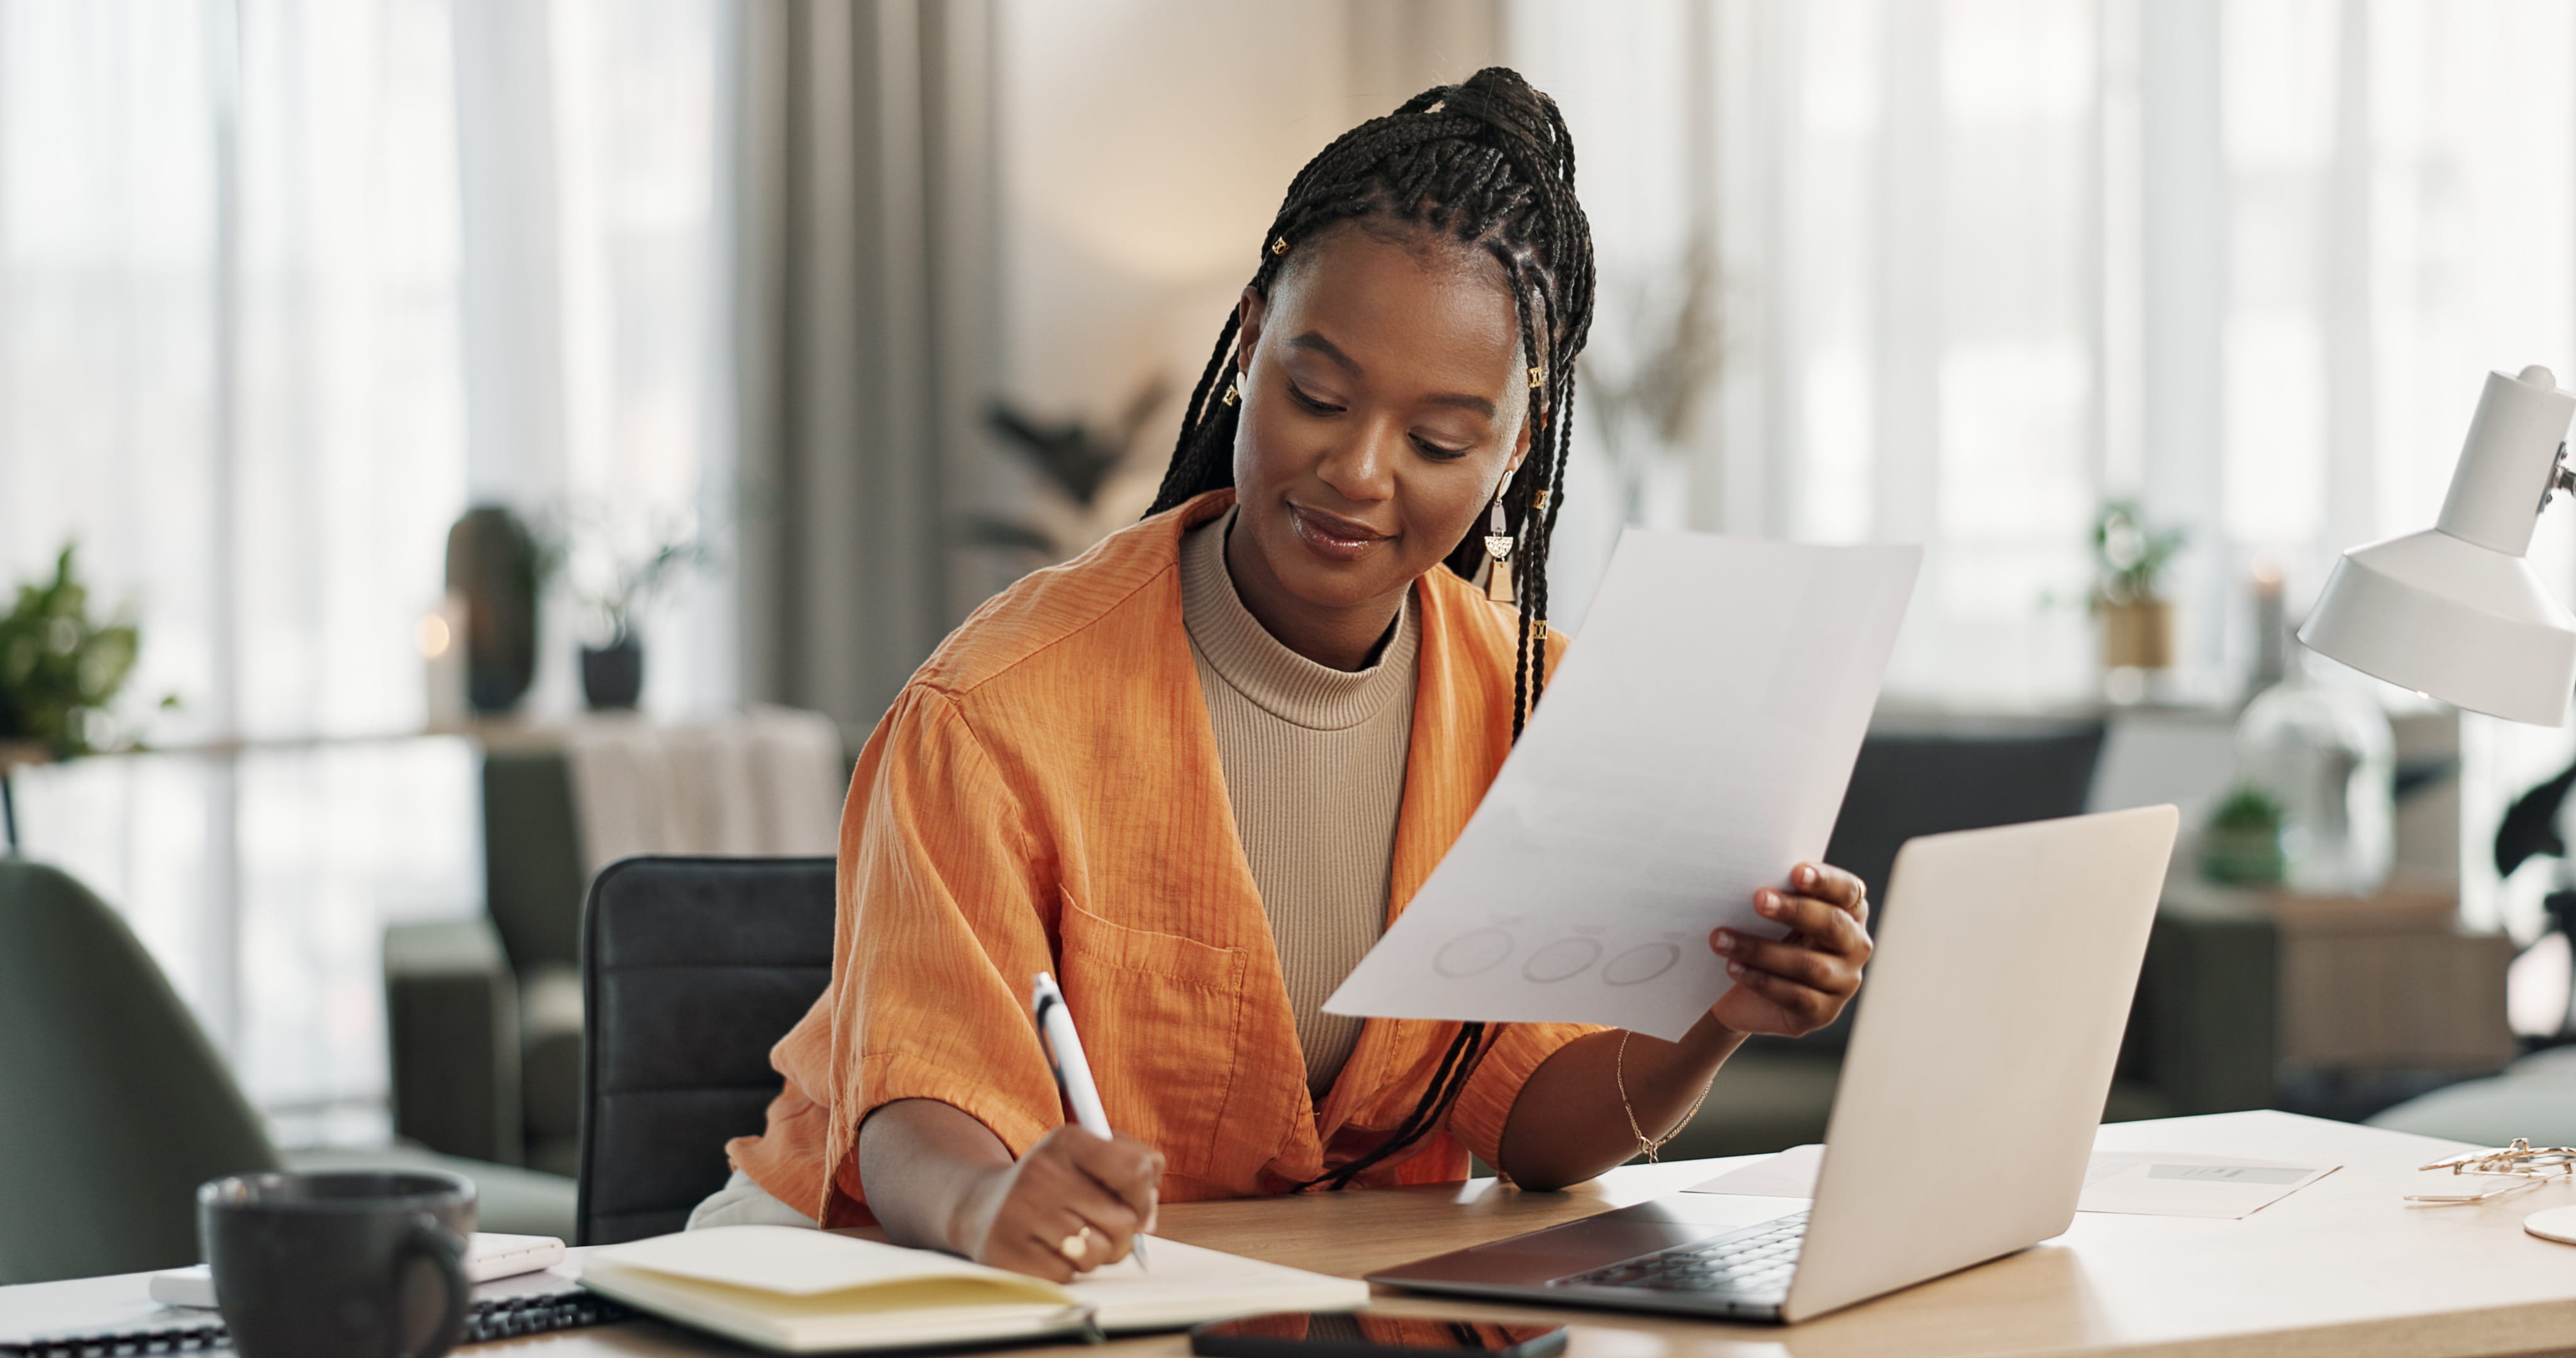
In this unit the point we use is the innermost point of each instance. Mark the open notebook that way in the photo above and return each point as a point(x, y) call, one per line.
point(805, 1291)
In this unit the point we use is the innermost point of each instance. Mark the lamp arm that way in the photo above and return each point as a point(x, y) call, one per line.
point(2561, 477)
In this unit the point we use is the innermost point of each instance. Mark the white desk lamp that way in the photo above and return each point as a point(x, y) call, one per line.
point(2455, 612)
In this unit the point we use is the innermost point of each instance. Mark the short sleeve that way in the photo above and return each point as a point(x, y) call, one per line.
point(1485, 1105)
point(944, 923)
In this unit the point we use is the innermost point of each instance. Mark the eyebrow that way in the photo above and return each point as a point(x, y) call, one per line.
point(1316, 343)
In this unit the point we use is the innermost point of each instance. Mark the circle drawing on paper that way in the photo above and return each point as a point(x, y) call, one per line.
point(1640, 964)
point(1471, 953)
point(1561, 959)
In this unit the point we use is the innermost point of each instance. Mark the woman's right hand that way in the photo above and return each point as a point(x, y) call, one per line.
point(1072, 1204)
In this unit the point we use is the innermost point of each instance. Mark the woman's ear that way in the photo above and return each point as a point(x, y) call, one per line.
point(1249, 311)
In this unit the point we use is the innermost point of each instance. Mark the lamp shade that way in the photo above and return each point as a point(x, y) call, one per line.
point(2456, 611)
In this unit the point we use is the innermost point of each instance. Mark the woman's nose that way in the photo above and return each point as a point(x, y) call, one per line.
point(1362, 467)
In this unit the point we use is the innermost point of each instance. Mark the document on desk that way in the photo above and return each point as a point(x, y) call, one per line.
point(2133, 1183)
point(1693, 746)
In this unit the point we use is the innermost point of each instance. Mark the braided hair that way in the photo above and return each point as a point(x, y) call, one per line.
point(1490, 165)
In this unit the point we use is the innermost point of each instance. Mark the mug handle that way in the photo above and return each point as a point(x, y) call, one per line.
point(440, 1246)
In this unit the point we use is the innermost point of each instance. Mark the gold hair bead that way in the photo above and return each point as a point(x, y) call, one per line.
point(1538, 378)
point(1279, 246)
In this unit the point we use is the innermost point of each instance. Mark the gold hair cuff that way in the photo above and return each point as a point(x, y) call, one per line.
point(1279, 246)
point(1538, 378)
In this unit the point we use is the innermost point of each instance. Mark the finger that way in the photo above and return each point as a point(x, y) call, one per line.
point(1123, 1165)
point(1088, 1203)
point(1026, 1252)
point(1112, 1227)
point(1063, 1186)
point(1056, 1195)
point(1823, 924)
point(1086, 1246)
point(1828, 972)
point(1807, 1005)
point(1832, 884)
point(1108, 1247)
point(1069, 1234)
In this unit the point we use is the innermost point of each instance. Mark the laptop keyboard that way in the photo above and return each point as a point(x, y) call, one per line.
point(1754, 1261)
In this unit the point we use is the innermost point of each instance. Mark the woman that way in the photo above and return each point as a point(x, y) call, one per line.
point(1194, 772)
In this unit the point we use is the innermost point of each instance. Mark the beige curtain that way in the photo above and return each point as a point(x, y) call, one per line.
point(864, 267)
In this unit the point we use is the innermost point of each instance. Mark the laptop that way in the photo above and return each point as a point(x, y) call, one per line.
point(1965, 1114)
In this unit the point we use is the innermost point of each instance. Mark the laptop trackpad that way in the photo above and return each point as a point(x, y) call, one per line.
point(1589, 1243)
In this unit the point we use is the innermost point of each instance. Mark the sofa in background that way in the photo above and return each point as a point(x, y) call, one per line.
point(485, 1014)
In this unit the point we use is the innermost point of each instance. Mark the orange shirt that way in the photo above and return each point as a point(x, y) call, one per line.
point(1045, 796)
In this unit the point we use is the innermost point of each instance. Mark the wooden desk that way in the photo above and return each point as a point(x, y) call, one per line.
point(2339, 1268)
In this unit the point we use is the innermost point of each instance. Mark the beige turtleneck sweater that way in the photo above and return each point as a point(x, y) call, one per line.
point(1314, 766)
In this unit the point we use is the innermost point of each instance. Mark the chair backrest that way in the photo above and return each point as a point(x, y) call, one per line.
point(1959, 775)
point(692, 968)
point(1907, 783)
point(113, 1105)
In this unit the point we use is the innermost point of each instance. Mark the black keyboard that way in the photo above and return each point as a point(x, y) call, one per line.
point(492, 1317)
point(1753, 1262)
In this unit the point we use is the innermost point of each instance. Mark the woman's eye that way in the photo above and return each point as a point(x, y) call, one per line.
point(1435, 450)
point(1298, 394)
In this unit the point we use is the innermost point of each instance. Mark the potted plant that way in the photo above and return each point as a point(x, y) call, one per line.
point(615, 563)
point(2242, 844)
point(60, 668)
point(2129, 560)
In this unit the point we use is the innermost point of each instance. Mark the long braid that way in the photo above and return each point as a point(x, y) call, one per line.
point(1180, 472)
point(1490, 164)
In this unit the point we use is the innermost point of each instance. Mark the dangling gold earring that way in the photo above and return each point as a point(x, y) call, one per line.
point(1231, 384)
point(1498, 545)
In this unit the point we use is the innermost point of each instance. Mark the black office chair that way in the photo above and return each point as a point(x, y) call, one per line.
point(1956, 774)
point(691, 970)
point(1964, 777)
point(1964, 774)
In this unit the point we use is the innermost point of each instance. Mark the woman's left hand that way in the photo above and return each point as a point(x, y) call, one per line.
point(1794, 985)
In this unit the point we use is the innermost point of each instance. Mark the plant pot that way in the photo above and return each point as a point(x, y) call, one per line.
point(612, 676)
point(2137, 635)
point(2243, 855)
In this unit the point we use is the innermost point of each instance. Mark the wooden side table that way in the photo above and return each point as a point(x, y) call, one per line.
point(2389, 982)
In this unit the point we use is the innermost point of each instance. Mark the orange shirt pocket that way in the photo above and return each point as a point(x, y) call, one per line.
point(1159, 1015)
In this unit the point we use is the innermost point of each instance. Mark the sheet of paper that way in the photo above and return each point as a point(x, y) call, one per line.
point(1694, 745)
point(1188, 1284)
point(2168, 1185)
point(2137, 1183)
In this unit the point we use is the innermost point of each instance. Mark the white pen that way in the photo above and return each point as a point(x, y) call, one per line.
point(1072, 1070)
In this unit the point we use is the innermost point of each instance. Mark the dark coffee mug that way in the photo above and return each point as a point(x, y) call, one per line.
point(362, 1264)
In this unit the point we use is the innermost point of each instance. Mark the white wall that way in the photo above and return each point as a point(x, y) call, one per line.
point(1145, 146)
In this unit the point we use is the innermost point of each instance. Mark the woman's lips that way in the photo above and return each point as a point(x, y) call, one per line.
point(1332, 536)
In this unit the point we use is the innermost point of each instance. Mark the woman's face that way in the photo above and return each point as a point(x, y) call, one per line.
point(1384, 396)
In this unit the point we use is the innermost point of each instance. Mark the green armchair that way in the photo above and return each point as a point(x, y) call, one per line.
point(114, 1106)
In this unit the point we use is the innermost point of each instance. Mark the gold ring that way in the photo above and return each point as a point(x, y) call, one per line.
point(1076, 1245)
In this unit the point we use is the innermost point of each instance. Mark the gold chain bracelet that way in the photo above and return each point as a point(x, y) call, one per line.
point(1650, 1147)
